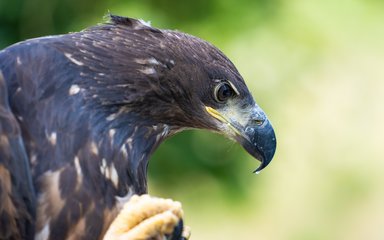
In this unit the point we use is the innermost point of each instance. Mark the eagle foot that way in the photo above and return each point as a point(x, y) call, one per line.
point(149, 218)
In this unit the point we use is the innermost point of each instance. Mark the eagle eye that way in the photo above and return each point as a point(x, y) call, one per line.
point(223, 91)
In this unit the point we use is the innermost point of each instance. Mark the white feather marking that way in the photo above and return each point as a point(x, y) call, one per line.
point(18, 61)
point(103, 166)
point(49, 201)
point(107, 173)
point(140, 61)
point(94, 148)
point(44, 233)
point(74, 89)
point(77, 166)
point(53, 138)
point(158, 136)
point(123, 150)
point(33, 159)
point(151, 60)
point(129, 143)
point(148, 24)
point(70, 57)
point(111, 133)
point(148, 70)
point(112, 117)
point(165, 130)
point(113, 175)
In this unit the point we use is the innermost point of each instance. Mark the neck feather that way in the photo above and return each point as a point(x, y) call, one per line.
point(127, 148)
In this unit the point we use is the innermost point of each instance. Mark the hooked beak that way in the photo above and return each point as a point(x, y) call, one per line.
point(256, 134)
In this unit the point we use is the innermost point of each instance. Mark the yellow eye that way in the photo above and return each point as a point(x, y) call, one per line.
point(223, 91)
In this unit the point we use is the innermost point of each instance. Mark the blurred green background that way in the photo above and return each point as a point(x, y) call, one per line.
point(315, 66)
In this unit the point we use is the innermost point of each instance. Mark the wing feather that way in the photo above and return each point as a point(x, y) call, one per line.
point(17, 197)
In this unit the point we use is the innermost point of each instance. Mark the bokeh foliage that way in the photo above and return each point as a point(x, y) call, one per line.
point(317, 69)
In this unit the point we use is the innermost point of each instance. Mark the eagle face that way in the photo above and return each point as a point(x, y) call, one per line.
point(241, 119)
point(223, 103)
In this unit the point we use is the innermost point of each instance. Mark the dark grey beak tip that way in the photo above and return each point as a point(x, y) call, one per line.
point(260, 143)
point(268, 156)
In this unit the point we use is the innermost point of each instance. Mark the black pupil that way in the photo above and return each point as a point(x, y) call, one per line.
point(225, 91)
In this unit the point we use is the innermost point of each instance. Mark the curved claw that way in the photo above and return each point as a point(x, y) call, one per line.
point(177, 231)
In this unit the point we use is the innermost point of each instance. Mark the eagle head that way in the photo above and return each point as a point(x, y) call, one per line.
point(186, 82)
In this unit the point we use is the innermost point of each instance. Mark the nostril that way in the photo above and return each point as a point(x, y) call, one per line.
point(257, 117)
point(258, 122)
